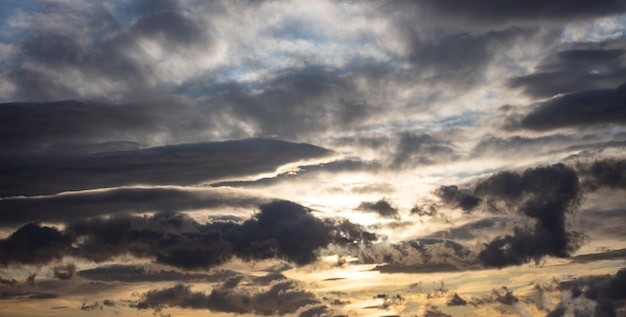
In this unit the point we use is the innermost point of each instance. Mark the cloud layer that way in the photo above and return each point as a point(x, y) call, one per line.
point(281, 229)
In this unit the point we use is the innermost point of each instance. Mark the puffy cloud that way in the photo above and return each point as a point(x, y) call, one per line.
point(382, 207)
point(549, 194)
point(456, 197)
point(281, 229)
point(545, 195)
point(34, 244)
point(280, 297)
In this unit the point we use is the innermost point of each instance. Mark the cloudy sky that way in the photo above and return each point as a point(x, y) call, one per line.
point(312, 158)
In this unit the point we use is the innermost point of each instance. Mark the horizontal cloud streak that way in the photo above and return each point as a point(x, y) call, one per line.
point(120, 201)
point(184, 164)
point(582, 109)
point(281, 297)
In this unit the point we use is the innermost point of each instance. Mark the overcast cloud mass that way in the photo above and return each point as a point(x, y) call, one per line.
point(312, 158)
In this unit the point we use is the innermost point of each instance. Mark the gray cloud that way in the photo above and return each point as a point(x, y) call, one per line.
point(544, 194)
point(112, 56)
point(575, 69)
point(382, 207)
point(64, 272)
point(549, 196)
point(580, 109)
point(458, 198)
point(493, 13)
point(71, 123)
point(34, 244)
point(477, 229)
point(609, 173)
point(298, 103)
point(518, 146)
point(396, 151)
point(417, 255)
point(421, 149)
point(603, 294)
point(142, 274)
point(183, 164)
point(280, 298)
point(139, 274)
point(281, 229)
point(80, 205)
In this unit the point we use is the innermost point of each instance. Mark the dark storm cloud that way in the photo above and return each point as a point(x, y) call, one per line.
point(580, 68)
point(280, 298)
point(67, 125)
point(494, 12)
point(549, 196)
point(382, 207)
point(458, 198)
point(183, 164)
point(580, 109)
point(286, 229)
point(34, 244)
point(281, 229)
point(546, 195)
point(75, 206)
point(606, 294)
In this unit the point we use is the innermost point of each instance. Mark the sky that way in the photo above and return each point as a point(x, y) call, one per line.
point(313, 158)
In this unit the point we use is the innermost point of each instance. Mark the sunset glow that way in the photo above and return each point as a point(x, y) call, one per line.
point(312, 158)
